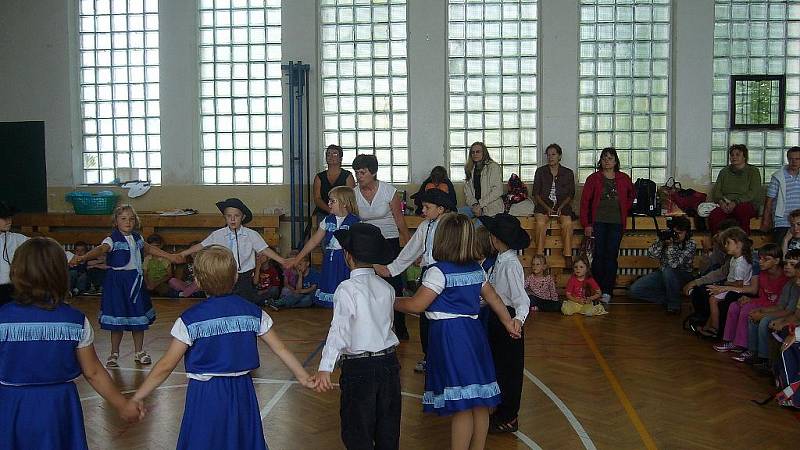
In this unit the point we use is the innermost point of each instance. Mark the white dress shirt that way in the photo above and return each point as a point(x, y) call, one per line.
point(420, 244)
point(249, 243)
point(363, 312)
point(508, 280)
point(9, 242)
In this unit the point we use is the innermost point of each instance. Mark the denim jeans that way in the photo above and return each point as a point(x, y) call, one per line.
point(371, 403)
point(661, 286)
point(295, 301)
point(78, 280)
point(607, 239)
point(759, 335)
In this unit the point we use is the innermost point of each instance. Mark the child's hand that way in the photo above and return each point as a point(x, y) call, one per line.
point(133, 411)
point(74, 261)
point(382, 270)
point(714, 290)
point(514, 328)
point(323, 382)
point(289, 263)
point(776, 325)
point(744, 300)
point(176, 258)
point(309, 382)
point(788, 342)
point(756, 315)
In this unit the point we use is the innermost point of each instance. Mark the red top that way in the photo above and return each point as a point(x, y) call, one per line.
point(769, 289)
point(593, 189)
point(575, 287)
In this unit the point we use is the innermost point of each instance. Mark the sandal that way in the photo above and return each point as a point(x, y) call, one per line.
point(708, 332)
point(506, 427)
point(142, 358)
point(112, 360)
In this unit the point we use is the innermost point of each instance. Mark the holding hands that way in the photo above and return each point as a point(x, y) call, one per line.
point(514, 328)
point(322, 382)
point(133, 411)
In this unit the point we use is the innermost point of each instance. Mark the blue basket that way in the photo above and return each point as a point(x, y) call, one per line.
point(87, 203)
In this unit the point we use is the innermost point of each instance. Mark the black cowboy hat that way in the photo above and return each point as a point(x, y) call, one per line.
point(437, 197)
point(7, 210)
point(507, 228)
point(366, 243)
point(238, 204)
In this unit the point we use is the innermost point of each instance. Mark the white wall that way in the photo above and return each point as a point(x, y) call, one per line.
point(38, 53)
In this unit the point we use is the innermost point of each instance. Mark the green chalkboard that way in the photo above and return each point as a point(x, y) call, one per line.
point(23, 173)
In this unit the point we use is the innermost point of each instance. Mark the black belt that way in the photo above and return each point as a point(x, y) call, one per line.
point(384, 352)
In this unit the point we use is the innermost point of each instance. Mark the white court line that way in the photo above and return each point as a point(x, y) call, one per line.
point(573, 421)
point(526, 440)
point(275, 399)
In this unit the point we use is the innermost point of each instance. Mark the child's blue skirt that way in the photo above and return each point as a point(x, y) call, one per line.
point(459, 374)
point(222, 413)
point(41, 416)
point(334, 271)
point(125, 305)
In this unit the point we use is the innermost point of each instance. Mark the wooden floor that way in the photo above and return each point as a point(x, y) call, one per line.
point(629, 380)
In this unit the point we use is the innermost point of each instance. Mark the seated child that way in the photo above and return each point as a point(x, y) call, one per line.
point(541, 287)
point(221, 408)
point(157, 270)
point(96, 271)
point(305, 288)
point(582, 291)
point(270, 281)
point(79, 275)
point(185, 285)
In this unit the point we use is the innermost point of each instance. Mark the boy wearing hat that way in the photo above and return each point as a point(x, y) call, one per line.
point(435, 202)
point(245, 244)
point(508, 280)
point(9, 242)
point(361, 337)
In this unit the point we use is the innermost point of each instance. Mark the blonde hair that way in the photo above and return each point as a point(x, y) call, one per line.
point(483, 243)
point(215, 270)
point(346, 197)
point(543, 260)
point(471, 164)
point(121, 209)
point(455, 240)
point(39, 273)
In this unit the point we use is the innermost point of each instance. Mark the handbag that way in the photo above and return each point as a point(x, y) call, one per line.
point(587, 247)
point(686, 199)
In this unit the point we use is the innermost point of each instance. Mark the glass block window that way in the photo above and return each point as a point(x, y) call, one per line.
point(240, 92)
point(492, 52)
point(755, 37)
point(120, 122)
point(364, 81)
point(624, 83)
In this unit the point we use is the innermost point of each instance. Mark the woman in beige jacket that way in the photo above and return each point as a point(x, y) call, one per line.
point(483, 186)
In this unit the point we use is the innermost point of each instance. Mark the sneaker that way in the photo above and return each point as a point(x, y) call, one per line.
point(75, 292)
point(420, 367)
point(112, 360)
point(605, 298)
point(727, 347)
point(142, 358)
point(745, 357)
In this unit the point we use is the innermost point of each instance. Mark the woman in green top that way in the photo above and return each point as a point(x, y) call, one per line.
point(738, 186)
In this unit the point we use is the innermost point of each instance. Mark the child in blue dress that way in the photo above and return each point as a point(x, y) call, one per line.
point(218, 338)
point(459, 378)
point(125, 304)
point(344, 213)
point(44, 346)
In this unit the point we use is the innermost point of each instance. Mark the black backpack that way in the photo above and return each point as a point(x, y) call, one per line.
point(646, 202)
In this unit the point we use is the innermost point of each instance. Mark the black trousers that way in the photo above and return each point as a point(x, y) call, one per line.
point(397, 284)
point(6, 290)
point(545, 305)
point(509, 363)
point(700, 298)
point(244, 287)
point(371, 403)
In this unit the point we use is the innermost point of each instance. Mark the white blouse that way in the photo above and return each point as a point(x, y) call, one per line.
point(379, 211)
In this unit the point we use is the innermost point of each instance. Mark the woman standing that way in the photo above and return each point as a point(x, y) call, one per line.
point(483, 188)
point(553, 191)
point(378, 205)
point(738, 185)
point(607, 197)
point(330, 178)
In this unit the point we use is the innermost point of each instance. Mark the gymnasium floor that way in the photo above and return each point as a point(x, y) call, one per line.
point(629, 380)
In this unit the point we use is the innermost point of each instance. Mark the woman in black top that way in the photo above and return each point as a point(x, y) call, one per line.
point(330, 178)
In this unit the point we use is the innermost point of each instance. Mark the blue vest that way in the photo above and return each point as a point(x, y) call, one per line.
point(120, 254)
point(462, 291)
point(330, 226)
point(37, 346)
point(224, 334)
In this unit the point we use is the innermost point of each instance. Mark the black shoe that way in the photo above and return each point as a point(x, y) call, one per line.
point(402, 334)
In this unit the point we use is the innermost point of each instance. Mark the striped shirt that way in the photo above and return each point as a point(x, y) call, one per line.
point(792, 200)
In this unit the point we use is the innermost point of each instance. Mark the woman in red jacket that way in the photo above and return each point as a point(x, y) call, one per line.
point(606, 199)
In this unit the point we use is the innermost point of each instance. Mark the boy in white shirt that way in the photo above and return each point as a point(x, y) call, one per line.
point(361, 337)
point(9, 242)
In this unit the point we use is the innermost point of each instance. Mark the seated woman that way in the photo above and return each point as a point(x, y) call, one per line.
point(553, 191)
point(675, 251)
point(483, 187)
point(737, 187)
point(330, 178)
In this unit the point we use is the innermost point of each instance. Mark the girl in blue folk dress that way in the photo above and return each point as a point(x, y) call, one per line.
point(44, 346)
point(218, 339)
point(344, 213)
point(125, 304)
point(459, 377)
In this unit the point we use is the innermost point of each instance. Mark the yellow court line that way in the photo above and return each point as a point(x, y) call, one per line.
point(617, 387)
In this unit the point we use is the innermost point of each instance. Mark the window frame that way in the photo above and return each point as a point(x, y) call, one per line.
point(781, 79)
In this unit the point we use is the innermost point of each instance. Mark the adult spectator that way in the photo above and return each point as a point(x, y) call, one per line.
point(675, 251)
point(783, 196)
point(738, 185)
point(607, 197)
point(330, 178)
point(483, 187)
point(379, 206)
point(553, 191)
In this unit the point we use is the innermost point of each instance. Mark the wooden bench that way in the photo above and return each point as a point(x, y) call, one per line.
point(177, 231)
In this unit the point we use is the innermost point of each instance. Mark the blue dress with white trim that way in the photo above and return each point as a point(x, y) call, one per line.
point(334, 267)
point(222, 412)
point(40, 403)
point(459, 374)
point(125, 304)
